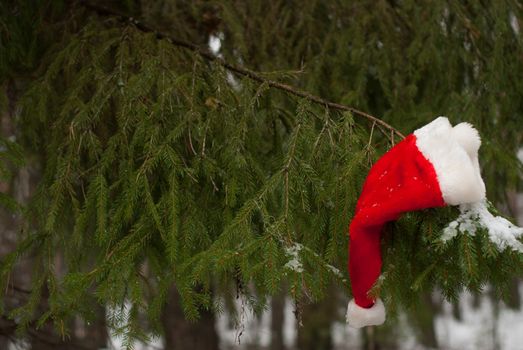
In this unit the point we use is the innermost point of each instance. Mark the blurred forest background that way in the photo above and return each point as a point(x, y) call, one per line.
point(174, 175)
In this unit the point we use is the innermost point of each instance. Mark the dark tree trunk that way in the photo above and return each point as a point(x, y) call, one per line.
point(369, 338)
point(8, 223)
point(515, 209)
point(43, 340)
point(315, 334)
point(423, 319)
point(277, 318)
point(181, 334)
point(93, 335)
point(456, 311)
point(22, 187)
point(4, 342)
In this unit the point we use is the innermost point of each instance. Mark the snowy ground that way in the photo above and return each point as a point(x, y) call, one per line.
point(479, 328)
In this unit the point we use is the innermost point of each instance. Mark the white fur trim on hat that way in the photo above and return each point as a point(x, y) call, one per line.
point(358, 316)
point(453, 151)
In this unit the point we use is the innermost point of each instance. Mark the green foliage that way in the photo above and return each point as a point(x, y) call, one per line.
point(417, 260)
point(160, 167)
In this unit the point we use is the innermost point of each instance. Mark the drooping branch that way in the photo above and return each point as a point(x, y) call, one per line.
point(8, 328)
point(205, 53)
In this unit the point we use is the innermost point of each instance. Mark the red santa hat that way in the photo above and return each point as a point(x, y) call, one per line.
point(437, 165)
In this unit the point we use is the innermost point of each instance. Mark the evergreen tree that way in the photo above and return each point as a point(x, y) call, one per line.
point(165, 164)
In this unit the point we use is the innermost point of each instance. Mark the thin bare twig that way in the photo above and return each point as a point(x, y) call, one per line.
point(205, 53)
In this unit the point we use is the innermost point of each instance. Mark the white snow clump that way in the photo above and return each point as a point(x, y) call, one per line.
point(293, 252)
point(473, 216)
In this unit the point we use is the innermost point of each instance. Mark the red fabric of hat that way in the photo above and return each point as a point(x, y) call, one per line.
point(435, 166)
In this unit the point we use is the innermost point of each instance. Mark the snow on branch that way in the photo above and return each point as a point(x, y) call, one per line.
point(476, 216)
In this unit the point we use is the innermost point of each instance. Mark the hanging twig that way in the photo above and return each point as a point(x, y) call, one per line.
point(208, 55)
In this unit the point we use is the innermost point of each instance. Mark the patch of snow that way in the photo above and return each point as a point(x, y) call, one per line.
point(345, 337)
point(254, 330)
point(215, 43)
point(116, 340)
point(520, 154)
point(335, 270)
point(290, 331)
point(474, 216)
point(489, 325)
point(294, 263)
point(293, 252)
point(257, 330)
point(475, 330)
point(514, 23)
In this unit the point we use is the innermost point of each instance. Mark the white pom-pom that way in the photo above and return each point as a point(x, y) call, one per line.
point(453, 151)
point(468, 138)
point(358, 316)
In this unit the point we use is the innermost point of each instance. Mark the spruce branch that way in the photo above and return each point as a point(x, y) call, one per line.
point(242, 71)
point(8, 327)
